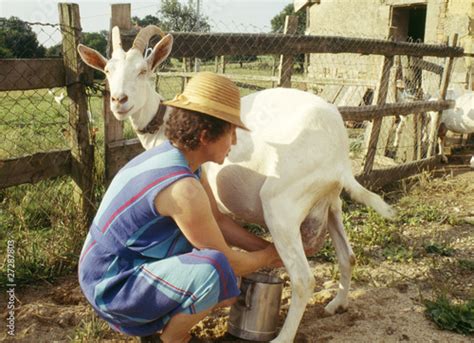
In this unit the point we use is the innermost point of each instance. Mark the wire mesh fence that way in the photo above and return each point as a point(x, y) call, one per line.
point(344, 79)
point(43, 218)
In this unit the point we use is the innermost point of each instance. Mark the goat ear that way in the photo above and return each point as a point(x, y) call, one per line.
point(92, 57)
point(160, 52)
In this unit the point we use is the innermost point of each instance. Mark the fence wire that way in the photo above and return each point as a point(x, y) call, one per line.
point(42, 218)
point(344, 79)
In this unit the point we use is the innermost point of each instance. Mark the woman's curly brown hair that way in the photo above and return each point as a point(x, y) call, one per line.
point(184, 127)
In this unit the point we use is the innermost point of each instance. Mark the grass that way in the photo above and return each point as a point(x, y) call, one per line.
point(42, 221)
point(90, 329)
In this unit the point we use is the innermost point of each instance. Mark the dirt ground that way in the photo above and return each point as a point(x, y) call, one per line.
point(385, 299)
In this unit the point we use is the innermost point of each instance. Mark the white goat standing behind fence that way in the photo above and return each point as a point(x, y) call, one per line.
point(403, 96)
point(287, 173)
point(459, 119)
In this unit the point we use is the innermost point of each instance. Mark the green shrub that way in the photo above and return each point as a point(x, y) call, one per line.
point(454, 317)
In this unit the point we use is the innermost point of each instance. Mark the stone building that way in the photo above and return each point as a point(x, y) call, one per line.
point(429, 21)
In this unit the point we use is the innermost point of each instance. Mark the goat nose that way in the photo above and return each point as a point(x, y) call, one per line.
point(121, 98)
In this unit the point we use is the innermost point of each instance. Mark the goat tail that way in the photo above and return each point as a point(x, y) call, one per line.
point(360, 194)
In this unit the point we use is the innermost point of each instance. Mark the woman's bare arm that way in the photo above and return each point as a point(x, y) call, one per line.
point(234, 234)
point(187, 203)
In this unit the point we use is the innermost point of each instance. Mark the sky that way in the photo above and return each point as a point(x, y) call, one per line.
point(223, 15)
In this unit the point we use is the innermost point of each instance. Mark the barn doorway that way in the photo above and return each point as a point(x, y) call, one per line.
point(408, 23)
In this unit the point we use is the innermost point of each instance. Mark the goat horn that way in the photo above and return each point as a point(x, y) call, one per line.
point(116, 41)
point(144, 35)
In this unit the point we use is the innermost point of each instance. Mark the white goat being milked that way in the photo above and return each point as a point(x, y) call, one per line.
point(287, 173)
point(459, 119)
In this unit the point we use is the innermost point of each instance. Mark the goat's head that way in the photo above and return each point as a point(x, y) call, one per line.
point(129, 73)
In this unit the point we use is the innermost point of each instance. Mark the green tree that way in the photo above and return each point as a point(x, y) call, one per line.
point(54, 51)
point(96, 40)
point(147, 20)
point(278, 21)
point(178, 17)
point(5, 53)
point(17, 39)
point(278, 24)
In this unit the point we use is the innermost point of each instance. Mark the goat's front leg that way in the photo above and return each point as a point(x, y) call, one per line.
point(284, 227)
point(398, 131)
point(345, 258)
point(442, 132)
point(432, 139)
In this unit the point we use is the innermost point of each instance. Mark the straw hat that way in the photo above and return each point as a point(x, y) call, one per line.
point(211, 94)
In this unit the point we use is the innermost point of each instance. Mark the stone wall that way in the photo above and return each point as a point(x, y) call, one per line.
point(371, 19)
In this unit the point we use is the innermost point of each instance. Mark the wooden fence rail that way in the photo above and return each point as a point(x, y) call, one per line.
point(370, 112)
point(206, 45)
point(25, 74)
point(34, 168)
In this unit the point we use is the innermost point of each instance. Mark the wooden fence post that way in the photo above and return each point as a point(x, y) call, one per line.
point(274, 57)
point(82, 151)
point(113, 128)
point(184, 80)
point(223, 63)
point(286, 61)
point(377, 124)
point(445, 78)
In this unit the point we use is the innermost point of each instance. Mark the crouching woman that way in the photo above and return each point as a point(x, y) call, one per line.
point(158, 257)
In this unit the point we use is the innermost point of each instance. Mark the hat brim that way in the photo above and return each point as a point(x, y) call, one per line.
point(187, 105)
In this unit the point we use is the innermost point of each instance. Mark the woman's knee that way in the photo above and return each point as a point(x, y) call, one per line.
point(227, 302)
point(217, 259)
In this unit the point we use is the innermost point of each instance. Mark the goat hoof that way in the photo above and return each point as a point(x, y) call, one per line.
point(333, 307)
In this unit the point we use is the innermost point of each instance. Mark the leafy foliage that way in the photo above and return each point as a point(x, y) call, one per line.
point(147, 20)
point(439, 249)
point(96, 40)
point(466, 265)
point(17, 40)
point(278, 21)
point(454, 317)
point(278, 24)
point(180, 17)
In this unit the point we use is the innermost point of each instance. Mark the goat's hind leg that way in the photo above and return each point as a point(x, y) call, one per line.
point(345, 258)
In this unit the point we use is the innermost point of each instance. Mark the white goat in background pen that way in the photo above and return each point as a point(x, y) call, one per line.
point(404, 97)
point(459, 119)
point(286, 173)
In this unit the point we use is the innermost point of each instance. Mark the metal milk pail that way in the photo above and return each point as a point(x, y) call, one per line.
point(255, 314)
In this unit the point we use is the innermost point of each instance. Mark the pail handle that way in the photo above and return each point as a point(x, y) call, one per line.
point(245, 297)
point(248, 296)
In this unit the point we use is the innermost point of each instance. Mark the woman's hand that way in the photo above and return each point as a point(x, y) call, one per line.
point(274, 259)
